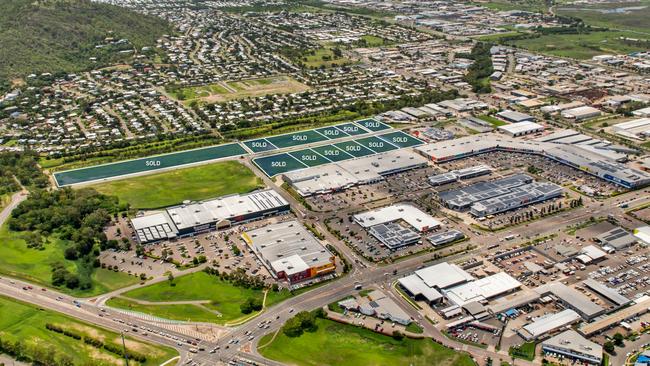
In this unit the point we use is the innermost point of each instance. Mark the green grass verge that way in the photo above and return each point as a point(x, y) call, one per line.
point(173, 187)
point(414, 328)
point(223, 299)
point(33, 265)
point(26, 323)
point(346, 345)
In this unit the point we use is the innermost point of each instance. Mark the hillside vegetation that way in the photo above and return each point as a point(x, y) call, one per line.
point(62, 35)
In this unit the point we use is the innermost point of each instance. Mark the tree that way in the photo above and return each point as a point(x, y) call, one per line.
point(170, 278)
point(397, 335)
point(619, 340)
point(609, 347)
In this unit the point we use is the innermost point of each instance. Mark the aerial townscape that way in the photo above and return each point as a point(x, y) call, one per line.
point(325, 182)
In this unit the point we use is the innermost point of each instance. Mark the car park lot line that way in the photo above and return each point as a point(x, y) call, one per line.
point(149, 164)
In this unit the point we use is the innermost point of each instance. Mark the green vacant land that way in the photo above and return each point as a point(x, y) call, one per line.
point(27, 324)
point(217, 301)
point(631, 16)
point(579, 46)
point(34, 265)
point(232, 90)
point(346, 345)
point(323, 57)
point(536, 6)
point(173, 187)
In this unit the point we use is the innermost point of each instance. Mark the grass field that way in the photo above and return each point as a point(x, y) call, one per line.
point(346, 345)
point(20, 321)
point(374, 41)
point(492, 120)
point(232, 90)
point(324, 57)
point(536, 6)
point(34, 265)
point(222, 299)
point(173, 187)
point(579, 46)
point(631, 16)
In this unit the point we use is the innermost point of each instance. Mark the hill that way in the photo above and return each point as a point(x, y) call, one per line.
point(62, 35)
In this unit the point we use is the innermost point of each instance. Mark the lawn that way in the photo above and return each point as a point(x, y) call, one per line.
point(492, 120)
point(20, 321)
point(536, 6)
point(33, 265)
point(525, 351)
point(222, 299)
point(374, 41)
point(346, 345)
point(173, 187)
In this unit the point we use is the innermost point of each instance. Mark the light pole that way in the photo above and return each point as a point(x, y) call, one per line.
point(126, 356)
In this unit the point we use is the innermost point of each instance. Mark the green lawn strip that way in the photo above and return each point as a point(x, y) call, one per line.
point(26, 323)
point(173, 187)
point(525, 351)
point(33, 265)
point(184, 312)
point(223, 297)
point(346, 345)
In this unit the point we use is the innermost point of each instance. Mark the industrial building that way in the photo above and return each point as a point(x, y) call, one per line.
point(576, 156)
point(571, 299)
point(638, 129)
point(581, 113)
point(521, 128)
point(426, 283)
point(570, 344)
point(640, 307)
point(196, 217)
point(548, 324)
point(616, 238)
point(377, 304)
point(412, 215)
point(515, 117)
point(488, 198)
point(290, 251)
point(609, 293)
point(394, 235)
point(459, 287)
point(340, 176)
point(460, 174)
point(445, 237)
point(482, 290)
